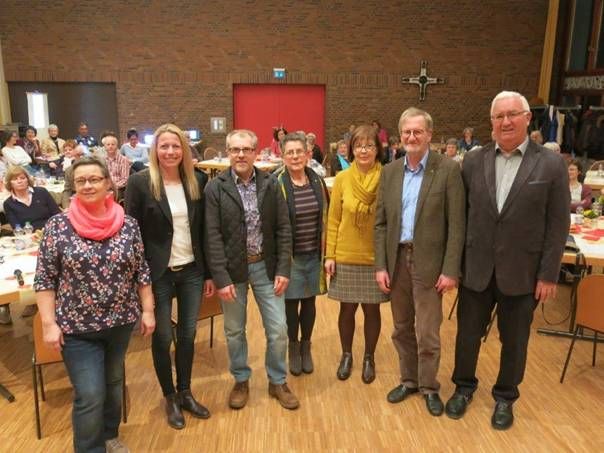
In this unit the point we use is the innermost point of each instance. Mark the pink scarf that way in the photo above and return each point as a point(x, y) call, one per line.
point(92, 227)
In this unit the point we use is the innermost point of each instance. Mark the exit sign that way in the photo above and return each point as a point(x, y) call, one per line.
point(279, 73)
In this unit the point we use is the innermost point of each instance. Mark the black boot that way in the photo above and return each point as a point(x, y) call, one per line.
point(368, 374)
point(188, 403)
point(345, 367)
point(175, 418)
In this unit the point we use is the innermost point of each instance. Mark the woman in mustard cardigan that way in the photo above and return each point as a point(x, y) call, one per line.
point(350, 251)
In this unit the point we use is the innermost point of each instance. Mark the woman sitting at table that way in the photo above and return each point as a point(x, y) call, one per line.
point(340, 160)
point(278, 134)
point(580, 194)
point(91, 282)
point(307, 199)
point(27, 203)
point(167, 200)
point(13, 154)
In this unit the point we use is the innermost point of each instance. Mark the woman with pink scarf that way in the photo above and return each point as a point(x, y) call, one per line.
point(91, 283)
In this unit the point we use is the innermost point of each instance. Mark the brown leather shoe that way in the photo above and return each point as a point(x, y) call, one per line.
point(239, 395)
point(285, 396)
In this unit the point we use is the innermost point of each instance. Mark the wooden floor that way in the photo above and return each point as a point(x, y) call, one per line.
point(334, 415)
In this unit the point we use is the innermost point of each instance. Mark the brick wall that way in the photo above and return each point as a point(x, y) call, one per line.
point(177, 61)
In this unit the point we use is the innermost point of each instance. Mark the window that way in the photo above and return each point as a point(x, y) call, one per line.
point(580, 35)
point(37, 108)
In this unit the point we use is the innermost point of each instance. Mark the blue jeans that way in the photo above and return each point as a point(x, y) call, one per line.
point(95, 364)
point(272, 310)
point(187, 285)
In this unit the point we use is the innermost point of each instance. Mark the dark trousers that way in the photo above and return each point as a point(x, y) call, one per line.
point(95, 364)
point(514, 318)
point(187, 285)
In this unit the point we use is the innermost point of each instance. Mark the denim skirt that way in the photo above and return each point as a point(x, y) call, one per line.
point(304, 277)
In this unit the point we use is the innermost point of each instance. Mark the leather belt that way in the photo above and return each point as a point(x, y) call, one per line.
point(255, 258)
point(180, 267)
point(406, 245)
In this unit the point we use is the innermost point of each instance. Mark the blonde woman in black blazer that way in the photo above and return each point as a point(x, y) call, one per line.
point(167, 201)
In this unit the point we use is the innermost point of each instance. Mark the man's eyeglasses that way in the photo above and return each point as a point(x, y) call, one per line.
point(93, 181)
point(509, 115)
point(367, 147)
point(236, 151)
point(414, 132)
point(294, 152)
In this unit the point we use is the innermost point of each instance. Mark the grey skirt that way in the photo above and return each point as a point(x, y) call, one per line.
point(355, 283)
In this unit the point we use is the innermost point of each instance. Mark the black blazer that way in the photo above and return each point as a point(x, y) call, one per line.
point(525, 242)
point(155, 222)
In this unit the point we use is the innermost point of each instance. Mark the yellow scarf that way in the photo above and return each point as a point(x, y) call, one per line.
point(364, 189)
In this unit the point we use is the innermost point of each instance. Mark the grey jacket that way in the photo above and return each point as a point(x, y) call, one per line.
point(525, 242)
point(227, 234)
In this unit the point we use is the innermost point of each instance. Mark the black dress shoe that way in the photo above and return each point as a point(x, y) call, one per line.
point(368, 374)
point(345, 367)
point(503, 415)
point(399, 393)
point(457, 405)
point(434, 404)
point(188, 403)
point(175, 418)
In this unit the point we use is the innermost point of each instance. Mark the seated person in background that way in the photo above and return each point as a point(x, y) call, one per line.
point(52, 146)
point(452, 150)
point(553, 146)
point(134, 151)
point(83, 138)
point(27, 203)
point(536, 137)
point(317, 154)
point(340, 159)
point(278, 134)
point(580, 194)
point(31, 144)
point(73, 152)
point(382, 133)
point(348, 133)
point(13, 154)
point(468, 141)
point(393, 151)
point(118, 165)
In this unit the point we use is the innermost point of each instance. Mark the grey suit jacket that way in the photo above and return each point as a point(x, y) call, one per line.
point(439, 219)
point(524, 242)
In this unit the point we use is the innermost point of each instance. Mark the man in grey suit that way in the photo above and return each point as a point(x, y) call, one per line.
point(419, 233)
point(518, 220)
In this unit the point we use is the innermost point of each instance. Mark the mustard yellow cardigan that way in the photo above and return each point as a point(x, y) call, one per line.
point(346, 242)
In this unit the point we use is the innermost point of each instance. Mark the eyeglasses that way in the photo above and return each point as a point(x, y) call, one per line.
point(414, 132)
point(93, 181)
point(509, 115)
point(294, 152)
point(246, 150)
point(366, 147)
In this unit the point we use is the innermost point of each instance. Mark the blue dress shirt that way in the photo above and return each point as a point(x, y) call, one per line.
point(412, 183)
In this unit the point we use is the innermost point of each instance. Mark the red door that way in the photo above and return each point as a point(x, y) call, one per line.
point(262, 107)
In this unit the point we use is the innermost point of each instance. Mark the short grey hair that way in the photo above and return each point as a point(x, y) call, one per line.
point(294, 137)
point(510, 94)
point(414, 111)
point(242, 133)
point(553, 146)
point(53, 126)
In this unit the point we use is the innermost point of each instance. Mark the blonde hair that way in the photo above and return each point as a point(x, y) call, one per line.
point(12, 172)
point(185, 168)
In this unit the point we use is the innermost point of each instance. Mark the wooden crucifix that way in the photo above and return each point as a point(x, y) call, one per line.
point(423, 80)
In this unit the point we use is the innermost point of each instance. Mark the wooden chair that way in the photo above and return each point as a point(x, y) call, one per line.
point(209, 153)
point(590, 313)
point(596, 165)
point(45, 356)
point(210, 307)
point(6, 299)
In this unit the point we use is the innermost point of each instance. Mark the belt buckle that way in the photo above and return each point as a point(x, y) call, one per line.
point(251, 259)
point(176, 268)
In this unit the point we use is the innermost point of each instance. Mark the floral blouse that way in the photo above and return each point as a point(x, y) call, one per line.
point(95, 282)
